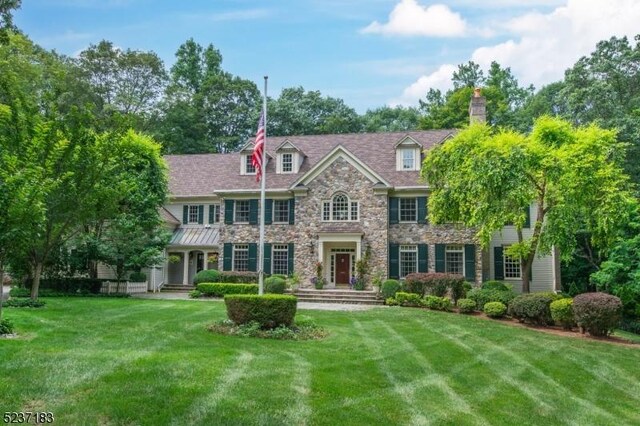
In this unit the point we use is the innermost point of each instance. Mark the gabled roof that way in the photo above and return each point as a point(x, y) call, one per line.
point(407, 141)
point(199, 175)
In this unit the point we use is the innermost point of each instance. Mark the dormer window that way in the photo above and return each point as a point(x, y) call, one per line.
point(249, 169)
point(408, 154)
point(408, 159)
point(290, 158)
point(287, 162)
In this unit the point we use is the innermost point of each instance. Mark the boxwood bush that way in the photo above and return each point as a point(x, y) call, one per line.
point(483, 296)
point(69, 285)
point(436, 284)
point(269, 310)
point(562, 312)
point(438, 303)
point(207, 276)
point(222, 289)
point(138, 277)
point(495, 309)
point(496, 285)
point(466, 306)
point(408, 299)
point(275, 285)
point(390, 288)
point(533, 308)
point(597, 313)
point(247, 277)
point(6, 326)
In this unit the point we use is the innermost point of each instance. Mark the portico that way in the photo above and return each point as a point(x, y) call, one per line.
point(338, 253)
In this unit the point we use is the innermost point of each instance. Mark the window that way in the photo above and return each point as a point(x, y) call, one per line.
point(454, 259)
point(408, 210)
point(511, 267)
point(248, 168)
point(215, 213)
point(280, 263)
point(242, 211)
point(408, 260)
point(287, 163)
point(193, 214)
point(241, 257)
point(408, 159)
point(281, 211)
point(340, 208)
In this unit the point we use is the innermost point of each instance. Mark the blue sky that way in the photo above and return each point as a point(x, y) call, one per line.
point(368, 52)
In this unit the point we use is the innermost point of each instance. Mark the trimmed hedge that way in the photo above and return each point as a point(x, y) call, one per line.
point(207, 276)
point(69, 285)
point(138, 277)
point(496, 285)
point(533, 308)
point(438, 303)
point(597, 313)
point(24, 292)
point(466, 306)
point(275, 285)
point(408, 299)
point(270, 310)
point(24, 303)
point(390, 288)
point(436, 284)
point(495, 309)
point(222, 289)
point(483, 296)
point(562, 313)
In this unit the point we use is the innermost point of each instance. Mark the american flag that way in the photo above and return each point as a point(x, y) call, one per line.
point(258, 147)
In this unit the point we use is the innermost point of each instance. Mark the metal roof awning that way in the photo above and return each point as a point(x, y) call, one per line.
point(190, 237)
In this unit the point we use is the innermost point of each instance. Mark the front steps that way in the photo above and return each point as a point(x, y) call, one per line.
point(337, 296)
point(176, 288)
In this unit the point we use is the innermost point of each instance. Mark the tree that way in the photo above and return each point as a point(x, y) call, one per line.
point(6, 17)
point(468, 75)
point(387, 119)
point(573, 176)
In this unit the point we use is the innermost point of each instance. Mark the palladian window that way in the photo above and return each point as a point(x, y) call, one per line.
point(340, 208)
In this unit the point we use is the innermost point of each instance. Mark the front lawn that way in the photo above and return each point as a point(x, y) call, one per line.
point(127, 361)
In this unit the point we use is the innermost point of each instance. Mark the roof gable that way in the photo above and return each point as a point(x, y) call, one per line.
point(407, 141)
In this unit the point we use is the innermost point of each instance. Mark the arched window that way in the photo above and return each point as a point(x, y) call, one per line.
point(340, 208)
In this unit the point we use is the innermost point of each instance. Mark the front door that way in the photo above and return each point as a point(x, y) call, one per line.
point(343, 268)
point(199, 262)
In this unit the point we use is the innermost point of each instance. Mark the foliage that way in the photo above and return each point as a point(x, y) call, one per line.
point(437, 303)
point(275, 285)
point(6, 326)
point(483, 296)
point(25, 292)
point(486, 180)
point(293, 281)
point(466, 306)
point(496, 285)
point(222, 289)
point(301, 330)
point(138, 277)
point(597, 313)
point(318, 281)
point(390, 119)
point(69, 285)
point(389, 288)
point(270, 311)
point(195, 294)
point(495, 309)
point(435, 283)
point(207, 276)
point(562, 312)
point(630, 325)
point(24, 303)
point(362, 270)
point(238, 277)
point(532, 308)
point(408, 299)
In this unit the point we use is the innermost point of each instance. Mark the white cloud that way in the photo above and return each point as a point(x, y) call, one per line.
point(543, 46)
point(408, 18)
point(439, 79)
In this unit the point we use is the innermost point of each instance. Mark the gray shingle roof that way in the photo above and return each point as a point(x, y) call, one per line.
point(202, 174)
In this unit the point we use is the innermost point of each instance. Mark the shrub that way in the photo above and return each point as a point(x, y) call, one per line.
point(138, 277)
point(436, 284)
point(275, 285)
point(437, 303)
point(390, 288)
point(496, 285)
point(207, 276)
point(597, 313)
point(630, 325)
point(466, 306)
point(390, 301)
point(408, 299)
point(195, 294)
point(6, 326)
point(270, 311)
point(222, 289)
point(69, 285)
point(562, 313)
point(532, 308)
point(483, 296)
point(281, 276)
point(495, 309)
point(24, 292)
point(24, 303)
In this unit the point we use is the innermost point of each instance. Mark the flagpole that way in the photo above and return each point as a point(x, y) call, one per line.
point(262, 193)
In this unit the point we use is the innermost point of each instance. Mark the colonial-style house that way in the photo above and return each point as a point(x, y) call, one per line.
point(329, 199)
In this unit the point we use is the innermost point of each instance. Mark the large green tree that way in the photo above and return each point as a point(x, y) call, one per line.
point(573, 176)
point(388, 119)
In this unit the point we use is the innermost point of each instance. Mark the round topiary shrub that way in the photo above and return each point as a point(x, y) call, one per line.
point(138, 277)
point(269, 310)
point(562, 313)
point(597, 313)
point(274, 285)
point(496, 285)
point(466, 306)
point(495, 309)
point(207, 276)
point(483, 296)
point(390, 288)
point(532, 308)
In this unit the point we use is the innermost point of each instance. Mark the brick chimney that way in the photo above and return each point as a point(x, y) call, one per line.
point(477, 107)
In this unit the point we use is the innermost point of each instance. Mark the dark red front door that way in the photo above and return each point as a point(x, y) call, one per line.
point(343, 268)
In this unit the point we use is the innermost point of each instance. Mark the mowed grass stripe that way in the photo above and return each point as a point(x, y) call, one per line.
point(299, 410)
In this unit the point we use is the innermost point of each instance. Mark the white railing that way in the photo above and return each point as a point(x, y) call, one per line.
point(127, 287)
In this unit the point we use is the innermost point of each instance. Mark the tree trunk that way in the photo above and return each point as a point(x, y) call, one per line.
point(35, 285)
point(1, 288)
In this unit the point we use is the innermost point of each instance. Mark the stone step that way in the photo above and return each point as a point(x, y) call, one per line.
point(349, 300)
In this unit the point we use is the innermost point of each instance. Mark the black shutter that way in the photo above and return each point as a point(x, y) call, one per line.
point(253, 212)
point(227, 257)
point(228, 212)
point(292, 212)
point(394, 261)
point(423, 258)
point(200, 214)
point(211, 212)
point(470, 262)
point(185, 214)
point(268, 211)
point(498, 263)
point(422, 209)
point(290, 258)
point(266, 266)
point(527, 219)
point(393, 210)
point(440, 257)
point(253, 257)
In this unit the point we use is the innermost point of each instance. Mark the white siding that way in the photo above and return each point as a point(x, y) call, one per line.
point(105, 272)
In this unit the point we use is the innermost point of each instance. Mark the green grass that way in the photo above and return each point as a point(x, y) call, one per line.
point(124, 361)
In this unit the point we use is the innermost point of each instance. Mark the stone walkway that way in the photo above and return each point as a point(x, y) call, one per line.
point(301, 305)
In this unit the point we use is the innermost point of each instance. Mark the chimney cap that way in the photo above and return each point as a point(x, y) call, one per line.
point(476, 92)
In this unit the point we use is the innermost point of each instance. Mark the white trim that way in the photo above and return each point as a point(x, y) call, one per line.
point(400, 209)
point(243, 165)
point(235, 205)
point(400, 159)
point(349, 207)
point(294, 163)
point(407, 141)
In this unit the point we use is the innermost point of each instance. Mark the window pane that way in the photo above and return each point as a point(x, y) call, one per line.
point(454, 259)
point(354, 210)
point(408, 159)
point(512, 267)
point(326, 211)
point(408, 210)
point(281, 211)
point(280, 259)
point(193, 214)
point(249, 165)
point(408, 260)
point(241, 257)
point(216, 213)
point(340, 207)
point(287, 162)
point(242, 211)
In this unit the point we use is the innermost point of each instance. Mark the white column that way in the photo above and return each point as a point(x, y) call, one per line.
point(205, 263)
point(358, 248)
point(185, 273)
